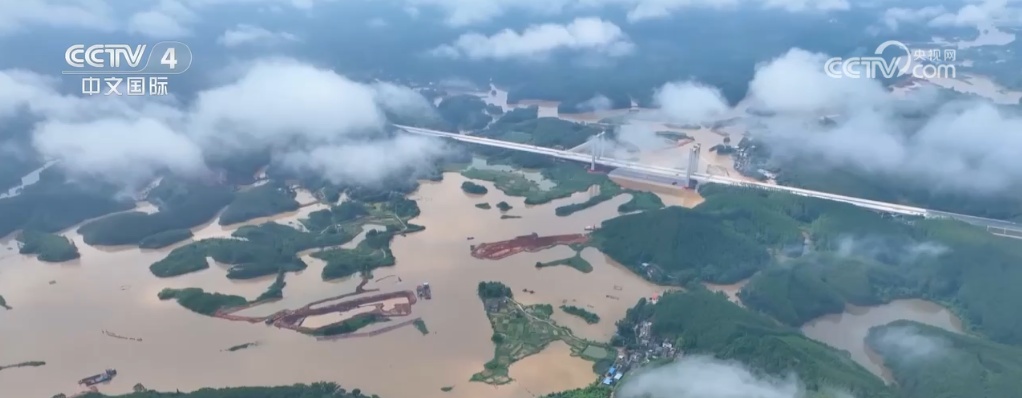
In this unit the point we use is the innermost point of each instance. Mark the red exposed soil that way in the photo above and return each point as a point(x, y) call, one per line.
point(292, 319)
point(527, 243)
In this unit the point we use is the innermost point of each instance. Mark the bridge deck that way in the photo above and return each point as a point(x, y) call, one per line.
point(1009, 229)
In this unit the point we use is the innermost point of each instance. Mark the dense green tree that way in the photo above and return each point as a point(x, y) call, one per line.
point(929, 362)
point(492, 290)
point(593, 391)
point(464, 112)
point(261, 201)
point(681, 243)
point(182, 205)
point(265, 249)
point(50, 247)
point(166, 238)
point(199, 301)
point(54, 204)
point(473, 188)
point(314, 390)
point(702, 322)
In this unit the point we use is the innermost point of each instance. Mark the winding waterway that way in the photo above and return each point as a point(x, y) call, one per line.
point(111, 289)
point(847, 331)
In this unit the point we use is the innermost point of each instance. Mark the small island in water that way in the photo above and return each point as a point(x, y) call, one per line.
point(48, 247)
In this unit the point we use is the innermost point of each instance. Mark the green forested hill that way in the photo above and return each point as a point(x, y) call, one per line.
point(702, 322)
point(972, 271)
point(182, 204)
point(265, 200)
point(929, 362)
point(54, 204)
point(684, 243)
point(464, 112)
point(853, 256)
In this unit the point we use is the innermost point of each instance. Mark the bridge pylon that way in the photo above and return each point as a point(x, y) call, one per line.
point(596, 149)
point(693, 164)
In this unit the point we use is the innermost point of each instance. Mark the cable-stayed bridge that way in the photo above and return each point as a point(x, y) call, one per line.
point(596, 147)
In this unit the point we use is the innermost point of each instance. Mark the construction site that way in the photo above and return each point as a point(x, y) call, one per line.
point(525, 243)
point(338, 310)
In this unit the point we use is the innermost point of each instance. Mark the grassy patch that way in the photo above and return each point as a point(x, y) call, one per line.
point(568, 178)
point(373, 252)
point(276, 289)
point(199, 301)
point(593, 391)
point(520, 331)
point(421, 326)
point(242, 346)
point(576, 262)
point(675, 135)
point(24, 365)
point(350, 325)
point(641, 201)
point(608, 190)
point(580, 312)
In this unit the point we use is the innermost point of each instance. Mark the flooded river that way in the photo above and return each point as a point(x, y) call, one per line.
point(61, 310)
point(847, 331)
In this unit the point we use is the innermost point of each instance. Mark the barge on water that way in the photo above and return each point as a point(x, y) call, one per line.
point(423, 291)
point(100, 378)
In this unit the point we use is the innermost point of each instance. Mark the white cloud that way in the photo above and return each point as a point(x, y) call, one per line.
point(169, 19)
point(243, 34)
point(981, 13)
point(160, 22)
point(402, 101)
point(537, 41)
point(366, 162)
point(796, 83)
point(165, 19)
point(705, 377)
point(467, 12)
point(306, 116)
point(808, 5)
point(973, 138)
point(131, 150)
point(596, 104)
point(690, 102)
point(304, 102)
point(908, 343)
point(26, 92)
point(894, 17)
point(16, 16)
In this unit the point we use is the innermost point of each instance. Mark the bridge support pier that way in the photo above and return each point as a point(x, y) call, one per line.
point(596, 148)
point(693, 165)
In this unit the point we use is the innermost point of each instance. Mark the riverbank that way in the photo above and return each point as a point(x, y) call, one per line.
point(848, 330)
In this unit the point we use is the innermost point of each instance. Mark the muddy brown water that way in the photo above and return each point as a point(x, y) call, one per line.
point(112, 289)
point(847, 331)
